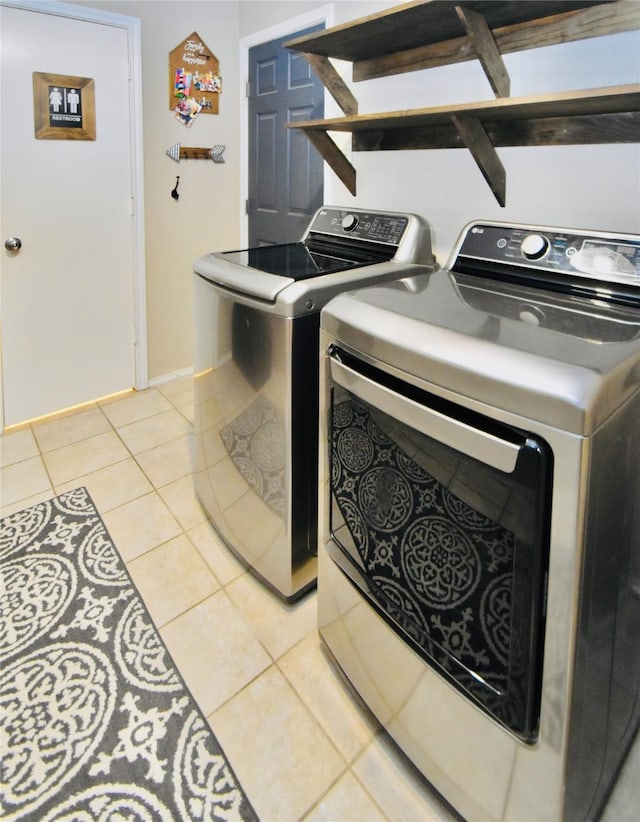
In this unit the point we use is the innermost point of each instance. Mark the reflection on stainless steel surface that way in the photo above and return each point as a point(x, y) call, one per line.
point(603, 261)
point(572, 371)
point(440, 546)
point(255, 441)
point(242, 469)
point(251, 343)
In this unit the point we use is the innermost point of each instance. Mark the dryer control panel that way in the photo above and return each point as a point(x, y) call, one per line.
point(602, 257)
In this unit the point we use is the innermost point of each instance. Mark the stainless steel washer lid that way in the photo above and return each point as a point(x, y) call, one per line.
point(338, 247)
point(423, 331)
point(243, 280)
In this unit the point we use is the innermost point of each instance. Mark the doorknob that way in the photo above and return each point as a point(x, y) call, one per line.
point(13, 244)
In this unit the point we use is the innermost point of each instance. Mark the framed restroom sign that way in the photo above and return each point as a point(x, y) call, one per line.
point(64, 107)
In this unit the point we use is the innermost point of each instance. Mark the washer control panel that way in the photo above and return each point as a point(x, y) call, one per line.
point(604, 257)
point(369, 226)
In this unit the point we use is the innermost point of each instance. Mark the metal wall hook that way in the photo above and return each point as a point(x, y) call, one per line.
point(174, 193)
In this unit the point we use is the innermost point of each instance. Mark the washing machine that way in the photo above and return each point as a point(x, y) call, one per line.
point(479, 559)
point(256, 318)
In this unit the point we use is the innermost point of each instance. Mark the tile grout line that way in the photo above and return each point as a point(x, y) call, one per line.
point(191, 607)
point(53, 485)
point(42, 459)
point(135, 456)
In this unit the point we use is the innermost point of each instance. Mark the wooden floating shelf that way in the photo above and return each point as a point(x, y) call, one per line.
point(428, 33)
point(607, 100)
point(557, 28)
point(602, 115)
point(542, 131)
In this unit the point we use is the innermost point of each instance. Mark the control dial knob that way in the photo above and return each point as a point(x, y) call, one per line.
point(534, 246)
point(349, 222)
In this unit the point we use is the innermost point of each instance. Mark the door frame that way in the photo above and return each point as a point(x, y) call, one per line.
point(323, 14)
point(132, 26)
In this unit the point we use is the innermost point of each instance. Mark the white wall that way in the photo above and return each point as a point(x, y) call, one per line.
point(260, 15)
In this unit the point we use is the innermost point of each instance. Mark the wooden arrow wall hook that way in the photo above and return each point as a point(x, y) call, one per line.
point(178, 152)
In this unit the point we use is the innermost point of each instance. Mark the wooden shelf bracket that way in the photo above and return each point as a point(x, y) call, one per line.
point(333, 82)
point(487, 51)
point(483, 152)
point(336, 160)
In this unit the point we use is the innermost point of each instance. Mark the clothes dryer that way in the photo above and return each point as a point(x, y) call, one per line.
point(479, 576)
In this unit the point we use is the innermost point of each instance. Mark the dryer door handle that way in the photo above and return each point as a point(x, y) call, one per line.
point(473, 442)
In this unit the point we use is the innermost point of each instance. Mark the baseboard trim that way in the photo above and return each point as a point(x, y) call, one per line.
point(154, 382)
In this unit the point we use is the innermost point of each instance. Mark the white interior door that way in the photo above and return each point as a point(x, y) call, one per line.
point(68, 297)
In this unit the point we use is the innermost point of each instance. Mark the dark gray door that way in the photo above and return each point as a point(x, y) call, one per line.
point(285, 171)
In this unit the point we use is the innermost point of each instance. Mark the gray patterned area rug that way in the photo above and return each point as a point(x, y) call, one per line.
point(95, 720)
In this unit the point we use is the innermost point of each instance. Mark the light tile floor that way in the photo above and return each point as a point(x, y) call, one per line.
point(302, 746)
